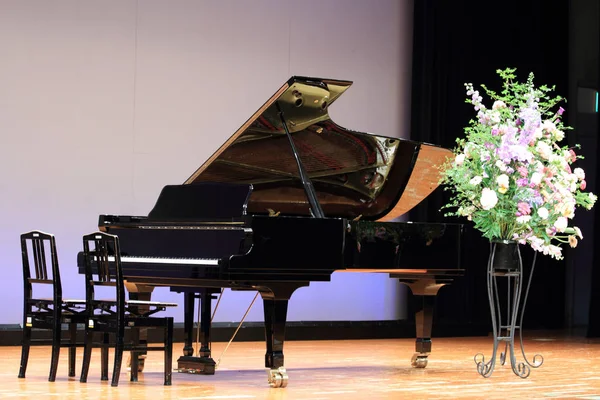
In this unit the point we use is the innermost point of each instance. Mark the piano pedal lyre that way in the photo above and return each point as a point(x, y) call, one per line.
point(199, 363)
point(277, 377)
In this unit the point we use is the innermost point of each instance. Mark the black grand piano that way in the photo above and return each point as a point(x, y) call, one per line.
point(288, 199)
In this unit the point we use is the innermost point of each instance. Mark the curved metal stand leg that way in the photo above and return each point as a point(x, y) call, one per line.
point(538, 360)
point(515, 310)
point(484, 368)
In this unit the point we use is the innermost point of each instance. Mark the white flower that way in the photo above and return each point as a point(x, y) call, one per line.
point(566, 208)
point(494, 117)
point(579, 173)
point(523, 219)
point(578, 232)
point(536, 178)
point(561, 224)
point(476, 180)
point(558, 135)
point(460, 158)
point(548, 126)
point(488, 199)
point(501, 165)
point(553, 251)
point(502, 181)
point(544, 149)
point(542, 212)
point(498, 104)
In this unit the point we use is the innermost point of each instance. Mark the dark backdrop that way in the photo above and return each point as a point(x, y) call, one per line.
point(462, 41)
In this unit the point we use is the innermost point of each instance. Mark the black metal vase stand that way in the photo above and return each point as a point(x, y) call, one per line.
point(505, 266)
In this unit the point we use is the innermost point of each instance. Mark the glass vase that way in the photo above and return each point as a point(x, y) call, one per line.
point(504, 287)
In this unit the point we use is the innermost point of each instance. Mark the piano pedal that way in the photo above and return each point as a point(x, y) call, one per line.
point(196, 365)
point(277, 377)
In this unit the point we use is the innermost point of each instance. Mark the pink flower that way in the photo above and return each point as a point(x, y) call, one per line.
point(548, 172)
point(582, 185)
point(524, 208)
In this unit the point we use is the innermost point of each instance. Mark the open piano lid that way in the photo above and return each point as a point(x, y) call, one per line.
point(353, 173)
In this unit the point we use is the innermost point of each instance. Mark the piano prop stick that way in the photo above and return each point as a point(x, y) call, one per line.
point(290, 198)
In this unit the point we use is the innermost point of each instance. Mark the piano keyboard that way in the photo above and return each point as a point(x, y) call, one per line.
point(166, 260)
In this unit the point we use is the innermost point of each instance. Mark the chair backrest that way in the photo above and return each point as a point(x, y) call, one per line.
point(102, 257)
point(38, 249)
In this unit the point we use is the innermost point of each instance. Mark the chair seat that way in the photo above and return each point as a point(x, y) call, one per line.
point(78, 301)
point(74, 301)
point(137, 303)
point(150, 303)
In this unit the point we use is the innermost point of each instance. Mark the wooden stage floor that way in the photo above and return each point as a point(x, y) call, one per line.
point(344, 369)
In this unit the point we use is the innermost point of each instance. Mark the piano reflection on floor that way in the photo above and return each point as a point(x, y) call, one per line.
point(288, 199)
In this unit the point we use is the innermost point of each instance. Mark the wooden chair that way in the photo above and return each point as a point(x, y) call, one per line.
point(38, 250)
point(114, 316)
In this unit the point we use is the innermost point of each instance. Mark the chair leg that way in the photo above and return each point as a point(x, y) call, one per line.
point(119, 346)
point(104, 357)
point(168, 351)
point(87, 354)
point(25, 350)
point(55, 349)
point(134, 355)
point(72, 347)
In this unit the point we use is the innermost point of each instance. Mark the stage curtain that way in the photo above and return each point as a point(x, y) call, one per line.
point(467, 41)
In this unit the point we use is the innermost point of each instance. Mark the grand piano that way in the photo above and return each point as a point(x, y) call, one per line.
point(290, 198)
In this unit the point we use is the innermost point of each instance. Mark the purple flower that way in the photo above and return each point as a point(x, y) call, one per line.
point(522, 182)
point(536, 197)
point(561, 111)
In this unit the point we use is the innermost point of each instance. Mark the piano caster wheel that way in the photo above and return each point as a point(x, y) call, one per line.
point(277, 377)
point(418, 361)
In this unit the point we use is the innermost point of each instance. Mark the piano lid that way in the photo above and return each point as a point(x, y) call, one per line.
point(354, 173)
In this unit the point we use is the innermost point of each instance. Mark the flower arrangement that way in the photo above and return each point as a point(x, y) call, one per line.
point(510, 175)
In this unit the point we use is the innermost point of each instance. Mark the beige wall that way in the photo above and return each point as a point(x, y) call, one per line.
point(102, 103)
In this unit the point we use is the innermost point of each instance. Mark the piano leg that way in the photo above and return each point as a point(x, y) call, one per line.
point(275, 318)
point(425, 291)
point(203, 362)
point(275, 303)
point(144, 293)
point(188, 323)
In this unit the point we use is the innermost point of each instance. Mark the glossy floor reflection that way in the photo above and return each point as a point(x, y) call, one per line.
point(344, 369)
